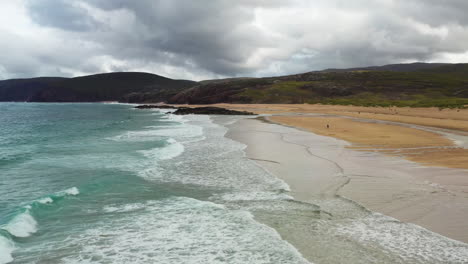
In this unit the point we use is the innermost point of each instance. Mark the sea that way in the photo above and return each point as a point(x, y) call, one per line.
point(108, 183)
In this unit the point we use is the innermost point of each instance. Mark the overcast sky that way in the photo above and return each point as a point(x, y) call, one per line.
point(203, 39)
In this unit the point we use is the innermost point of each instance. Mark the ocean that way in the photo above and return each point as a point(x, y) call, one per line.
point(107, 183)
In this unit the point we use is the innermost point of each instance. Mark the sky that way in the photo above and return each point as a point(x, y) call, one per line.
point(207, 39)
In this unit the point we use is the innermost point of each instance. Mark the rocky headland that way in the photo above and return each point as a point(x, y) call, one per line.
point(208, 110)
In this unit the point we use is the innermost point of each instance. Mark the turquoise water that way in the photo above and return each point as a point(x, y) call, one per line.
point(106, 183)
point(85, 183)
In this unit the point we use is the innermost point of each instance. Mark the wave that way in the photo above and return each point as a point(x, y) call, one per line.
point(184, 131)
point(46, 200)
point(151, 168)
point(72, 191)
point(179, 129)
point(181, 230)
point(168, 152)
point(22, 225)
point(154, 134)
point(6, 249)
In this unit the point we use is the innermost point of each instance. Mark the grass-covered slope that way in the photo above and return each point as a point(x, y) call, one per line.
point(418, 84)
point(440, 86)
point(119, 86)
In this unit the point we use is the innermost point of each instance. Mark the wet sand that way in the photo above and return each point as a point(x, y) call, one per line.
point(425, 147)
point(320, 168)
point(407, 163)
point(417, 134)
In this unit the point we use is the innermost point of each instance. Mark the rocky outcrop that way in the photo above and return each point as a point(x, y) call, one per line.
point(209, 111)
point(155, 107)
point(196, 110)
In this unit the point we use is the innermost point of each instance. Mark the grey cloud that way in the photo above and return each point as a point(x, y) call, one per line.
point(60, 14)
point(215, 35)
point(435, 12)
point(234, 38)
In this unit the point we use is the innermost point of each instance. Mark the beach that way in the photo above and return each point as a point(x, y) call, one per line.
point(414, 173)
point(147, 185)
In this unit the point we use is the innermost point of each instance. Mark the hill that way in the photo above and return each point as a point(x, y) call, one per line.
point(418, 85)
point(119, 86)
point(407, 67)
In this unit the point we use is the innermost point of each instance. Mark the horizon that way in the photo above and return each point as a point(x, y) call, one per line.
point(182, 40)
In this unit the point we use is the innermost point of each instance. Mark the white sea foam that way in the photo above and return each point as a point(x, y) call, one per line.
point(22, 225)
point(213, 161)
point(46, 200)
point(50, 199)
point(176, 118)
point(165, 111)
point(170, 151)
point(179, 131)
point(6, 249)
point(151, 169)
point(124, 208)
point(255, 196)
point(135, 136)
point(183, 230)
point(72, 191)
point(408, 241)
point(184, 131)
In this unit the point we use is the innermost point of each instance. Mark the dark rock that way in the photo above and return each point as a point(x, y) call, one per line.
point(196, 110)
point(209, 111)
point(155, 107)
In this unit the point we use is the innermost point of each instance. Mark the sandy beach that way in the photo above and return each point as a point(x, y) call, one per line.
point(414, 173)
point(429, 136)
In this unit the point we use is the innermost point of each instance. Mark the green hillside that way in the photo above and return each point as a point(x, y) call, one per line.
point(442, 86)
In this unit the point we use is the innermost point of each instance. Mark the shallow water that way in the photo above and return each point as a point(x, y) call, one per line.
point(95, 183)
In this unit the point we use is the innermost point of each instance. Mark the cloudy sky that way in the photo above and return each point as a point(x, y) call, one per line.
point(203, 39)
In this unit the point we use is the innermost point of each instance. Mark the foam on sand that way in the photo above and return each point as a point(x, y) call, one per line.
point(409, 241)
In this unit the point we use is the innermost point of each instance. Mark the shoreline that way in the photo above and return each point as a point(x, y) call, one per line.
point(319, 168)
point(437, 141)
point(424, 145)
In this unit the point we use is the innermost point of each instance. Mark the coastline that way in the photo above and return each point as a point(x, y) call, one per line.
point(430, 136)
point(319, 169)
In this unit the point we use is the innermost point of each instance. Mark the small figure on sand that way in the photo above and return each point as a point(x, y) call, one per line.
point(328, 126)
